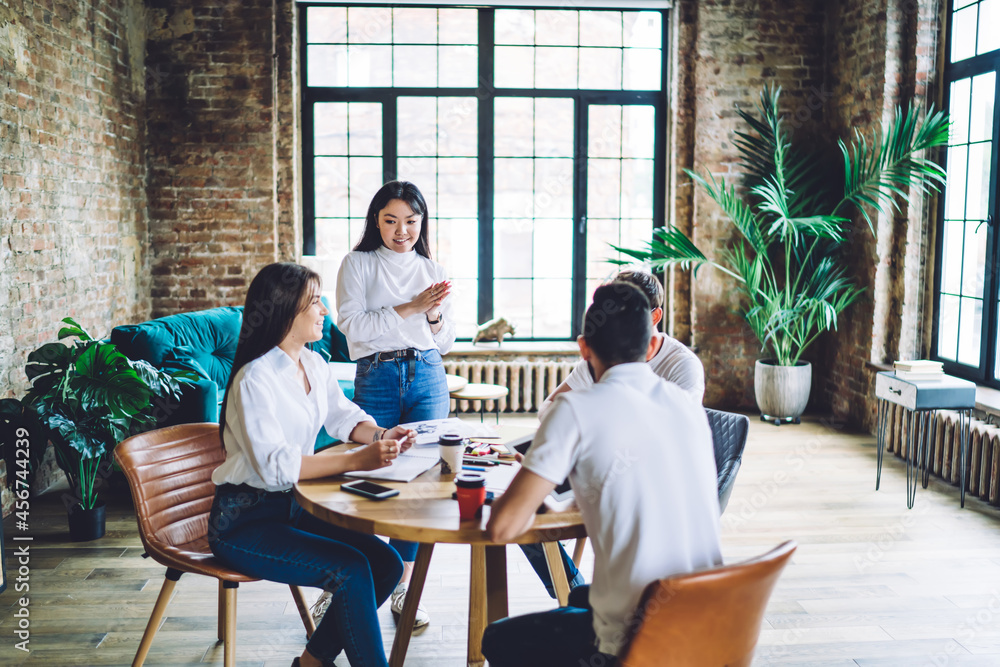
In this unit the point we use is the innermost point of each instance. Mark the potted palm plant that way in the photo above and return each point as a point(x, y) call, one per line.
point(88, 397)
point(793, 218)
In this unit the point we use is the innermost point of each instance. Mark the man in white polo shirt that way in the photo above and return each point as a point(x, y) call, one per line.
point(638, 453)
point(667, 358)
point(670, 359)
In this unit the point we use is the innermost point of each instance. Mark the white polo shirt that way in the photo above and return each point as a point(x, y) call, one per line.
point(271, 422)
point(638, 453)
point(674, 362)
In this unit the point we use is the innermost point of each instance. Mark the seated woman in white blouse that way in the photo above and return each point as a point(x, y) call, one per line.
point(279, 395)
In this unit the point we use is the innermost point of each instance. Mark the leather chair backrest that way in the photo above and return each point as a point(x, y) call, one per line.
point(170, 473)
point(706, 619)
point(729, 438)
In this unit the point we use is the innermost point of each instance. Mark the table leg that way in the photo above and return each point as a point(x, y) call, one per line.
point(496, 583)
point(880, 425)
point(404, 627)
point(911, 476)
point(477, 606)
point(557, 571)
point(928, 441)
point(965, 418)
point(581, 543)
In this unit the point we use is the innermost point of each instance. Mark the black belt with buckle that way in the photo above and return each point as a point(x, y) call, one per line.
point(408, 353)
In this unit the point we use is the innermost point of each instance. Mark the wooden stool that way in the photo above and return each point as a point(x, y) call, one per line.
point(481, 393)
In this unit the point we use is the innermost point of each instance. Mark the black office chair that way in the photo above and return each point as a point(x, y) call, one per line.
point(729, 436)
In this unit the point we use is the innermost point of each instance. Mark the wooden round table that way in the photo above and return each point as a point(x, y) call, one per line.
point(425, 512)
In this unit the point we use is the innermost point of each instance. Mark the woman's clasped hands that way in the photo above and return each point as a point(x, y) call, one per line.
point(430, 300)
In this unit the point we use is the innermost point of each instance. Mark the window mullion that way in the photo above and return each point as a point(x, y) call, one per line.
point(991, 283)
point(579, 216)
point(485, 94)
point(390, 138)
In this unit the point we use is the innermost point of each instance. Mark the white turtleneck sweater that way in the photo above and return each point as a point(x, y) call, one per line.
point(370, 284)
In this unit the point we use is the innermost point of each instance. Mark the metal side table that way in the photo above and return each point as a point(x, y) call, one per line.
point(922, 398)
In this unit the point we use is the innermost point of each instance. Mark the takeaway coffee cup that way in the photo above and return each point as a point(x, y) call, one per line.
point(451, 447)
point(471, 493)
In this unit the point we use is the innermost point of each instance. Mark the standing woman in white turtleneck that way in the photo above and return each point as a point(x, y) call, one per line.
point(393, 308)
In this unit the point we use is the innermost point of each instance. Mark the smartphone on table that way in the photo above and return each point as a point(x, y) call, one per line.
point(363, 487)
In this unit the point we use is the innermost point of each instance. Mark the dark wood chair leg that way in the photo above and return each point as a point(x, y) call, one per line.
point(404, 626)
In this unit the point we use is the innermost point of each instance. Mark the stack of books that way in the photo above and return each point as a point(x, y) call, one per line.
point(919, 369)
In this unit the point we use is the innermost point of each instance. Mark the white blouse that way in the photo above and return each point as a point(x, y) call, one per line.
point(370, 284)
point(271, 423)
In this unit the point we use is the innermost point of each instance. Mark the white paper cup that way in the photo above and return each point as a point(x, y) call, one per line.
point(451, 447)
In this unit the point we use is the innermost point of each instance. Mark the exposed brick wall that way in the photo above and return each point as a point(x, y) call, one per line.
point(217, 195)
point(73, 224)
point(726, 52)
point(885, 54)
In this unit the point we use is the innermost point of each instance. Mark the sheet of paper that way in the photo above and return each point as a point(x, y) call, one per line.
point(429, 431)
point(404, 468)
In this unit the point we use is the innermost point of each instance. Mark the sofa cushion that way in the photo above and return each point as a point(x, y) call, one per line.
point(211, 337)
point(184, 358)
point(150, 341)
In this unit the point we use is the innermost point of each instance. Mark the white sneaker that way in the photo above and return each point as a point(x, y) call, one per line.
point(422, 619)
point(320, 606)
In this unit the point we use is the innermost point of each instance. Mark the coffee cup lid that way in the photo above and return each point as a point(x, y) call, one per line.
point(470, 480)
point(450, 439)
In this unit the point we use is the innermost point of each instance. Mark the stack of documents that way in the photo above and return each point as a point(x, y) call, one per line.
point(404, 468)
point(424, 455)
point(429, 431)
point(919, 369)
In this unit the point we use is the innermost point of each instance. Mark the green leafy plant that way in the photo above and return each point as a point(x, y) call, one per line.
point(88, 397)
point(23, 446)
point(792, 217)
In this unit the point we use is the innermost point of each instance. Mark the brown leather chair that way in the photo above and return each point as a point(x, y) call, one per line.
point(706, 619)
point(170, 473)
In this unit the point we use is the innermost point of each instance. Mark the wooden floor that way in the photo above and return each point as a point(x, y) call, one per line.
point(871, 584)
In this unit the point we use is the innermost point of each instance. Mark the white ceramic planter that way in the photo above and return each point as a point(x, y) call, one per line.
point(782, 391)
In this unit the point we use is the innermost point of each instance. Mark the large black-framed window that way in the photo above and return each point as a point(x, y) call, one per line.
point(968, 257)
point(536, 135)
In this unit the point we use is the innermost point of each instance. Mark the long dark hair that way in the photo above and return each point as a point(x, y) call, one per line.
point(405, 191)
point(274, 298)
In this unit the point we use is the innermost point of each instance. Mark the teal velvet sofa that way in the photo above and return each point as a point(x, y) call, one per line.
point(204, 342)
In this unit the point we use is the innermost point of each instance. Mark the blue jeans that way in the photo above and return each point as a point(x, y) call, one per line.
point(563, 637)
point(536, 556)
point(400, 391)
point(268, 535)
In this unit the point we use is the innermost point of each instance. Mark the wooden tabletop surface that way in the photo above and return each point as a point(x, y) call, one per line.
point(424, 510)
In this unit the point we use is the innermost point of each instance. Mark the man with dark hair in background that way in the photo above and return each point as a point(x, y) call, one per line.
point(638, 454)
point(670, 359)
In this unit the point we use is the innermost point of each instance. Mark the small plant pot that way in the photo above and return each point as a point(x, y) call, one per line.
point(84, 524)
point(782, 392)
